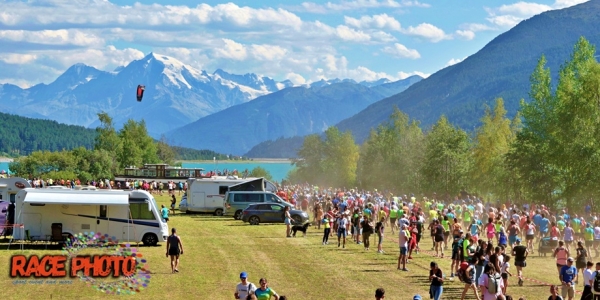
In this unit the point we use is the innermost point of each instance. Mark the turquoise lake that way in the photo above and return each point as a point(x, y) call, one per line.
point(278, 170)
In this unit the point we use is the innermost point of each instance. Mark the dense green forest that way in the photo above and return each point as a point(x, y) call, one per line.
point(547, 153)
point(22, 136)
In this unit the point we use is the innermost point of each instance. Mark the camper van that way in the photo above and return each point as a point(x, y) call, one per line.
point(48, 214)
point(9, 187)
point(207, 194)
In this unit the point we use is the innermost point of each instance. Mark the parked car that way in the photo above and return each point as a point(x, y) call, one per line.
point(272, 213)
point(237, 201)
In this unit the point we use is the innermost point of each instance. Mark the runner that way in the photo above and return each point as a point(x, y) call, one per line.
point(244, 288)
point(174, 249)
point(520, 253)
point(403, 243)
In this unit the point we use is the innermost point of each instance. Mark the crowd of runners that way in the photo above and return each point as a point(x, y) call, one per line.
point(482, 240)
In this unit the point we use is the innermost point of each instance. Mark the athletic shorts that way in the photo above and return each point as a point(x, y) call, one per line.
point(341, 232)
point(455, 255)
point(521, 264)
point(392, 221)
point(380, 239)
point(589, 243)
point(174, 251)
point(512, 239)
point(560, 266)
point(504, 276)
point(580, 265)
point(529, 237)
point(438, 238)
point(403, 250)
point(419, 238)
point(447, 233)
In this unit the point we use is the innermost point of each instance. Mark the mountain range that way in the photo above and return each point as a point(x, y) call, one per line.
point(176, 94)
point(294, 111)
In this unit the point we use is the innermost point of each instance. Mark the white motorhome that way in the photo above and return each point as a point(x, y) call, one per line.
point(208, 194)
point(9, 187)
point(130, 216)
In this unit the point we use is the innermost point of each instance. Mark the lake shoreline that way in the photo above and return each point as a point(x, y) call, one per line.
point(255, 161)
point(6, 160)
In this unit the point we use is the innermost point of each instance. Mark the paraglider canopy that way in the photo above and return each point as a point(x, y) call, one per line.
point(140, 92)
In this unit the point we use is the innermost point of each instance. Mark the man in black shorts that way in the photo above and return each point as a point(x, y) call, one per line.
point(520, 253)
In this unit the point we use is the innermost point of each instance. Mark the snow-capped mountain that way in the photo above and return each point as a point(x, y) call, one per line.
point(176, 94)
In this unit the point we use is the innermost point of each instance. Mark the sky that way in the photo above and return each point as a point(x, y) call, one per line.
point(303, 41)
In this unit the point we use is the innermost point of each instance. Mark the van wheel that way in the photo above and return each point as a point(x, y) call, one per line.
point(150, 239)
point(254, 220)
point(238, 215)
point(218, 212)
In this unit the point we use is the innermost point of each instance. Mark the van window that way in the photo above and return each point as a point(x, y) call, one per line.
point(223, 189)
point(139, 211)
point(272, 198)
point(247, 198)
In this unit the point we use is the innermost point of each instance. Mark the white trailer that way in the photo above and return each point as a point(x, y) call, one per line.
point(130, 216)
point(208, 194)
point(9, 187)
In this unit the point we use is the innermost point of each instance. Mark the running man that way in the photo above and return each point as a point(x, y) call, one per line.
point(174, 249)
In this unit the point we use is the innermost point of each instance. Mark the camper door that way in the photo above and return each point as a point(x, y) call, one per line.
point(102, 223)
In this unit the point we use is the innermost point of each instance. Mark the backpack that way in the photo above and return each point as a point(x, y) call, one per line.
point(463, 276)
point(492, 285)
point(596, 284)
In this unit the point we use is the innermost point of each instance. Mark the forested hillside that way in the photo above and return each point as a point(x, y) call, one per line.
point(21, 136)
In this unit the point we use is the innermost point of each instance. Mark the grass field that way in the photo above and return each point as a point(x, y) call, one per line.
point(217, 249)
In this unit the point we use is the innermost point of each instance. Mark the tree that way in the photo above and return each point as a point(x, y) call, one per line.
point(391, 157)
point(261, 172)
point(446, 160)
point(490, 174)
point(165, 153)
point(556, 151)
point(137, 146)
point(330, 161)
point(107, 138)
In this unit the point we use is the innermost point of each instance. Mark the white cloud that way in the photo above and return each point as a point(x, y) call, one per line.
point(454, 61)
point(382, 21)
point(92, 13)
point(231, 50)
point(348, 34)
point(52, 37)
point(404, 75)
point(465, 34)
point(399, 50)
point(295, 78)
point(16, 58)
point(509, 15)
point(427, 31)
point(358, 4)
point(567, 3)
point(268, 52)
point(475, 27)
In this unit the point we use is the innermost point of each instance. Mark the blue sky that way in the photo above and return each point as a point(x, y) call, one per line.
point(303, 41)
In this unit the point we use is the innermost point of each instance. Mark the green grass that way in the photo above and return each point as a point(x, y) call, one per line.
point(217, 249)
